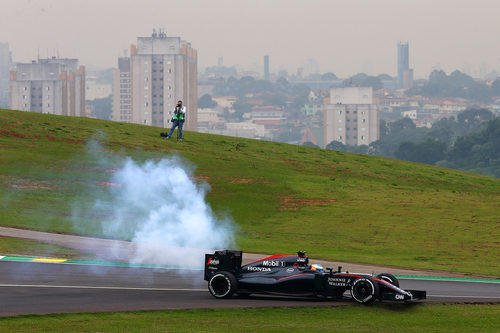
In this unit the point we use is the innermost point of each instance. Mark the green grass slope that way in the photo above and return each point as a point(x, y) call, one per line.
point(283, 198)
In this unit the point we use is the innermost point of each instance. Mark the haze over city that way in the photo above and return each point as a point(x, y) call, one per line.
point(344, 37)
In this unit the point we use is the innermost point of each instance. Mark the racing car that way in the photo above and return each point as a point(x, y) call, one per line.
point(291, 275)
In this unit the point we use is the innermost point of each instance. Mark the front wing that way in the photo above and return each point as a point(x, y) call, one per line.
point(407, 296)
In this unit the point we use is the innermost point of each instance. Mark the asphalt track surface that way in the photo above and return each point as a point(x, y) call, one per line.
point(39, 288)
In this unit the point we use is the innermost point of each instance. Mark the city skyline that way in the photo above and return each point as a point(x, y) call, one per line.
point(344, 37)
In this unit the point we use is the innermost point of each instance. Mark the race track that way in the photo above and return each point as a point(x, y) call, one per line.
point(27, 287)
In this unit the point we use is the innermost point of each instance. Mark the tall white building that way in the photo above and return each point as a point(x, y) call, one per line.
point(160, 71)
point(5, 65)
point(351, 117)
point(122, 92)
point(54, 85)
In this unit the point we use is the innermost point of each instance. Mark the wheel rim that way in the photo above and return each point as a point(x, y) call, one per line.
point(362, 291)
point(220, 285)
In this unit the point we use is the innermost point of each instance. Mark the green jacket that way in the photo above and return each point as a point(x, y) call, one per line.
point(179, 114)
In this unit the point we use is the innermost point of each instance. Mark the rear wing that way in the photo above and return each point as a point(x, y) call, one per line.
point(226, 260)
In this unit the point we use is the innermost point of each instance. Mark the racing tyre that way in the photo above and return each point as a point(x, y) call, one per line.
point(365, 290)
point(222, 285)
point(389, 278)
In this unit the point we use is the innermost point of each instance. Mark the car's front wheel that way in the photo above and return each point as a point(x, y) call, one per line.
point(222, 285)
point(389, 278)
point(364, 290)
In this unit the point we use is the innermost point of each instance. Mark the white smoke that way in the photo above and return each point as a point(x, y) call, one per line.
point(164, 211)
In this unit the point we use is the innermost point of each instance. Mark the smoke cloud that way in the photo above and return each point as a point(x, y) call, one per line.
point(159, 206)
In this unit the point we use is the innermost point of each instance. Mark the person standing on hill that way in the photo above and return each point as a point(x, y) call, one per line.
point(178, 119)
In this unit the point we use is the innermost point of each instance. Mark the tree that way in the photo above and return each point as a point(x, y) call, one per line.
point(401, 125)
point(240, 108)
point(274, 99)
point(457, 84)
point(478, 151)
point(444, 130)
point(393, 134)
point(363, 80)
point(429, 151)
point(301, 92)
point(384, 129)
point(328, 76)
point(385, 77)
point(468, 121)
point(310, 144)
point(282, 85)
point(361, 149)
point(495, 87)
point(475, 116)
point(336, 145)
point(102, 108)
point(206, 102)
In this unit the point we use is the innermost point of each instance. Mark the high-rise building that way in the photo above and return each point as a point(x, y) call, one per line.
point(351, 117)
point(54, 85)
point(405, 74)
point(160, 71)
point(122, 92)
point(266, 67)
point(5, 66)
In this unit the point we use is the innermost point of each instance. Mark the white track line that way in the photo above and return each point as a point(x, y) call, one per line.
point(454, 296)
point(97, 287)
point(180, 289)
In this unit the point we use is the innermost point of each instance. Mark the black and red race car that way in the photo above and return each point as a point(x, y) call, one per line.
point(292, 275)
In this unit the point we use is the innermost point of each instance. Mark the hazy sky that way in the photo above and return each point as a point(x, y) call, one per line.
point(344, 37)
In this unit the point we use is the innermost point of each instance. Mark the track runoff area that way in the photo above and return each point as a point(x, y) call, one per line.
point(49, 285)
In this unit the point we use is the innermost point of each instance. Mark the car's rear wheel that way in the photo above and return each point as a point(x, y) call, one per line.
point(364, 290)
point(222, 285)
point(389, 278)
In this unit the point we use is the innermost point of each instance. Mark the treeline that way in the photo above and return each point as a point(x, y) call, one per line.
point(364, 80)
point(458, 85)
point(471, 142)
point(249, 85)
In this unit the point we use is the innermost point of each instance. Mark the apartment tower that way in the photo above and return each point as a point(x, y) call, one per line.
point(5, 65)
point(351, 117)
point(147, 85)
point(53, 85)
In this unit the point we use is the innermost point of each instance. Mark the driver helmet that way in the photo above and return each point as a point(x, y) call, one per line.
point(317, 267)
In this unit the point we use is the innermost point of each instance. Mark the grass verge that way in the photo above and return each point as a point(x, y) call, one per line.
point(387, 318)
point(22, 247)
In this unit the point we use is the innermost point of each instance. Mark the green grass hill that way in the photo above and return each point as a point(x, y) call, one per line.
point(283, 198)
